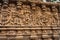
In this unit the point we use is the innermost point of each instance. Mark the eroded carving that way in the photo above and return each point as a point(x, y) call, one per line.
point(28, 15)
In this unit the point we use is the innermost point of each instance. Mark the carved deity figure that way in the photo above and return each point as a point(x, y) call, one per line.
point(25, 12)
point(5, 16)
point(14, 15)
point(36, 13)
point(55, 15)
point(47, 18)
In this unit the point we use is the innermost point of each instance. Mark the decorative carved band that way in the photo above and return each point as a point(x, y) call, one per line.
point(24, 14)
point(24, 20)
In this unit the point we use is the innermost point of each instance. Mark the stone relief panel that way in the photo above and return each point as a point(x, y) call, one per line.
point(31, 16)
point(28, 15)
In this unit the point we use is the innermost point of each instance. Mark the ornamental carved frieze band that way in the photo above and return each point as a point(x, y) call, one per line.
point(25, 14)
point(29, 20)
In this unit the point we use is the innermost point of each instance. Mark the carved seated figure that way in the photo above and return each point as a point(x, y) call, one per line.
point(5, 16)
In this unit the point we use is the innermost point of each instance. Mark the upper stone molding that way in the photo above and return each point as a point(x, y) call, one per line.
point(34, 1)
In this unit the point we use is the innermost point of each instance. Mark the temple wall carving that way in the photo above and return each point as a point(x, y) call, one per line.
point(28, 15)
point(29, 21)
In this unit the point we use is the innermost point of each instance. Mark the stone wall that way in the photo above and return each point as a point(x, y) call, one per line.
point(26, 20)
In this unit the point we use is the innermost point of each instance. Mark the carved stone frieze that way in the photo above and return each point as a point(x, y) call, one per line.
point(28, 20)
point(28, 15)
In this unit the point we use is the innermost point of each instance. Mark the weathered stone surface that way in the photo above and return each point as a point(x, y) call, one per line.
point(29, 20)
point(27, 16)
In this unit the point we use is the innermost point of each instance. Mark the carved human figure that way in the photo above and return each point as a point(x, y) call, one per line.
point(14, 15)
point(35, 16)
point(47, 18)
point(55, 15)
point(5, 15)
point(26, 14)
